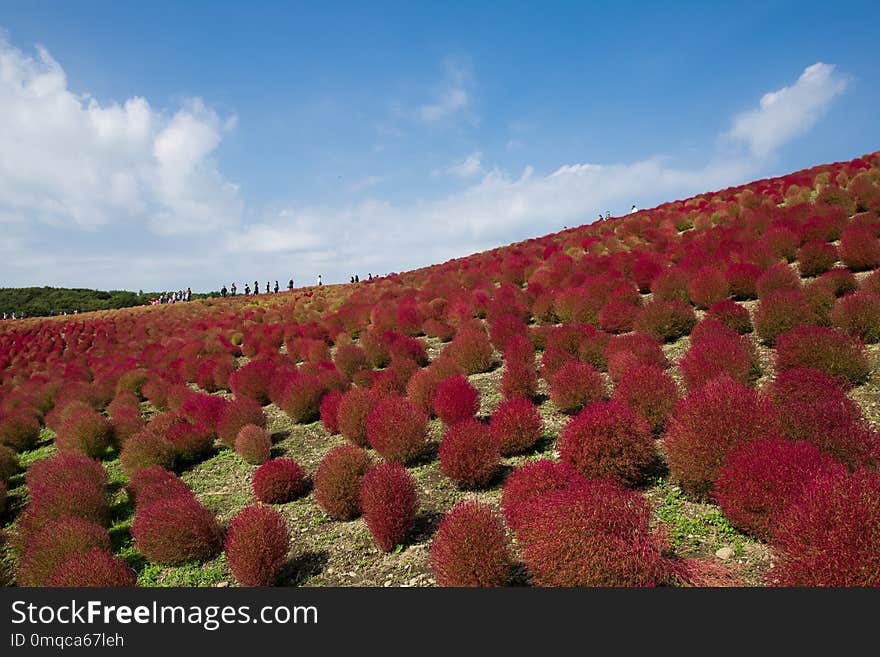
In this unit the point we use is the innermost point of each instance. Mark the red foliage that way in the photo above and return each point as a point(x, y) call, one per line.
point(829, 535)
point(469, 454)
point(153, 483)
point(176, 529)
point(45, 550)
point(189, 443)
point(146, 449)
point(871, 283)
point(760, 479)
point(455, 400)
point(329, 410)
point(278, 481)
point(731, 314)
point(859, 315)
point(252, 380)
point(84, 430)
point(519, 379)
point(301, 399)
point(253, 444)
point(519, 348)
point(717, 353)
point(608, 440)
point(816, 257)
point(531, 481)
point(470, 547)
point(351, 358)
point(859, 249)
point(779, 277)
point(204, 410)
point(743, 279)
point(671, 284)
point(236, 414)
point(826, 349)
point(472, 351)
point(8, 463)
point(354, 408)
point(397, 430)
point(781, 312)
point(504, 328)
point(708, 286)
point(516, 426)
point(595, 534)
point(707, 424)
point(389, 503)
point(95, 568)
point(649, 391)
point(574, 385)
point(421, 388)
point(125, 422)
point(338, 481)
point(256, 546)
point(666, 320)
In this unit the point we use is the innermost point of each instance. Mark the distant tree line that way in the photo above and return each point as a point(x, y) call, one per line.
point(46, 301)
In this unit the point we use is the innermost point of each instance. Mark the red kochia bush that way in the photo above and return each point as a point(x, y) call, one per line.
point(471, 350)
point(780, 312)
point(338, 481)
point(618, 316)
point(86, 431)
point(575, 385)
point(125, 422)
point(531, 481)
point(731, 314)
point(829, 350)
point(816, 257)
point(519, 379)
point(351, 358)
point(608, 440)
point(46, 549)
point(354, 408)
point(595, 534)
point(8, 463)
point(710, 422)
point(649, 391)
point(204, 410)
point(708, 286)
point(153, 483)
point(859, 315)
point(95, 568)
point(252, 380)
point(389, 503)
point(814, 406)
point(421, 387)
point(859, 249)
point(829, 535)
point(329, 410)
point(146, 449)
point(455, 399)
point(301, 399)
point(236, 414)
point(19, 430)
point(743, 279)
point(279, 481)
point(397, 430)
point(470, 547)
point(174, 530)
point(516, 426)
point(719, 353)
point(256, 547)
point(253, 444)
point(777, 278)
point(666, 320)
point(469, 454)
point(760, 479)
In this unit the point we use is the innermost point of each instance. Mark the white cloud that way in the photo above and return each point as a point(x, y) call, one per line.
point(453, 95)
point(368, 182)
point(790, 111)
point(469, 167)
point(68, 160)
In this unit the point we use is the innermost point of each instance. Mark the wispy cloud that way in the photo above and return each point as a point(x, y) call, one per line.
point(453, 94)
point(790, 111)
point(469, 167)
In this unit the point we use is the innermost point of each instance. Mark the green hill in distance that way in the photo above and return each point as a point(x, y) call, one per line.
point(46, 301)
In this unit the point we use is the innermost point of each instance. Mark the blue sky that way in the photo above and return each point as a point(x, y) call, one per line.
point(164, 145)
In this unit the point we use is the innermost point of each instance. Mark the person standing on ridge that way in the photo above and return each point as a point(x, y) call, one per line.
point(256, 287)
point(247, 289)
point(319, 280)
point(189, 294)
point(223, 291)
point(634, 209)
point(233, 288)
point(276, 287)
point(290, 285)
point(267, 287)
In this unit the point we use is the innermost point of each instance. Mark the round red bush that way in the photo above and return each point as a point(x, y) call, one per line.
point(731, 314)
point(46, 549)
point(329, 411)
point(175, 530)
point(279, 481)
point(397, 430)
point(190, 443)
point(826, 349)
point(618, 316)
point(595, 534)
point(743, 279)
point(780, 277)
point(520, 348)
point(708, 286)
point(574, 385)
point(301, 399)
point(125, 422)
point(608, 440)
point(469, 454)
point(671, 284)
point(338, 481)
point(829, 535)
point(519, 379)
point(780, 312)
point(470, 547)
point(236, 414)
point(717, 353)
point(86, 431)
point(253, 444)
point(204, 410)
point(760, 479)
point(871, 283)
point(389, 503)
point(64, 469)
point(455, 400)
point(531, 481)
point(842, 281)
point(146, 449)
point(516, 426)
point(472, 351)
point(707, 424)
point(649, 391)
point(252, 380)
point(354, 408)
point(859, 249)
point(816, 257)
point(859, 315)
point(421, 388)
point(153, 483)
point(95, 568)
point(351, 358)
point(666, 320)
point(256, 546)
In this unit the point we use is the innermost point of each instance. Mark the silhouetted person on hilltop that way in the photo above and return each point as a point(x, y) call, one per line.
point(233, 289)
point(276, 287)
point(247, 289)
point(319, 280)
point(223, 291)
point(290, 285)
point(633, 209)
point(256, 287)
point(267, 287)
